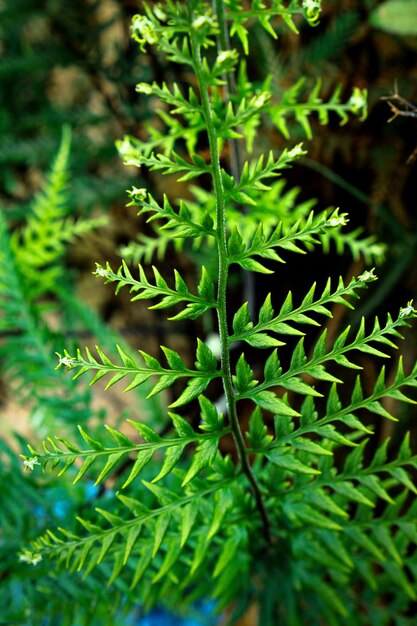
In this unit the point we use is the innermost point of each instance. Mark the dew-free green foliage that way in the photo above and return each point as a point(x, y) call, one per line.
point(29, 506)
point(32, 272)
point(37, 299)
point(309, 518)
point(37, 307)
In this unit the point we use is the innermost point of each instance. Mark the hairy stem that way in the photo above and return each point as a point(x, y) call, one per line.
point(222, 284)
point(236, 157)
point(223, 43)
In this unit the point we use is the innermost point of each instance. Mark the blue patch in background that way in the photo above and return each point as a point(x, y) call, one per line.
point(202, 615)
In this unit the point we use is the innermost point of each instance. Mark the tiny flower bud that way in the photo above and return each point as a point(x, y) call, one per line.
point(137, 194)
point(143, 31)
point(312, 9)
point(200, 21)
point(227, 55)
point(407, 311)
point(101, 271)
point(337, 220)
point(29, 464)
point(32, 558)
point(64, 360)
point(260, 99)
point(367, 276)
point(144, 88)
point(358, 101)
point(226, 60)
point(296, 152)
point(160, 13)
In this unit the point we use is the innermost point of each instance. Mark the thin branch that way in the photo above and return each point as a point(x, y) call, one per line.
point(400, 106)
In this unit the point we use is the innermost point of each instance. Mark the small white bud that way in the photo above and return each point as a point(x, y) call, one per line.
point(260, 99)
point(143, 30)
point(160, 13)
point(226, 59)
point(138, 194)
point(296, 152)
point(32, 558)
point(101, 271)
point(408, 310)
point(367, 276)
point(128, 152)
point(64, 360)
point(144, 88)
point(311, 7)
point(338, 220)
point(202, 20)
point(357, 101)
point(226, 55)
point(29, 464)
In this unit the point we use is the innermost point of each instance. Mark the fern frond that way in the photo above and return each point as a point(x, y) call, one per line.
point(26, 352)
point(174, 164)
point(263, 246)
point(231, 122)
point(146, 249)
point(291, 105)
point(302, 506)
point(314, 366)
point(341, 512)
point(350, 415)
point(130, 148)
point(179, 223)
point(278, 205)
point(61, 453)
point(282, 324)
point(254, 173)
point(188, 106)
point(197, 305)
point(241, 15)
point(42, 241)
point(162, 532)
point(206, 370)
point(366, 247)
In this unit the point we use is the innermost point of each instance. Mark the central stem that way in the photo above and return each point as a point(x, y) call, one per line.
point(223, 280)
point(236, 157)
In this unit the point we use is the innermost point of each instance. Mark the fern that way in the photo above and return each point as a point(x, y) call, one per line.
point(271, 205)
point(314, 104)
point(31, 262)
point(27, 350)
point(57, 596)
point(43, 240)
point(33, 269)
point(301, 519)
point(34, 284)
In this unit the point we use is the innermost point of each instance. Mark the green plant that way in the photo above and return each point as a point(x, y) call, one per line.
point(305, 517)
point(32, 277)
point(38, 308)
point(52, 597)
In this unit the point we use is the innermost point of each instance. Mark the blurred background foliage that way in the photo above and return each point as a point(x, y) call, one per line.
point(73, 64)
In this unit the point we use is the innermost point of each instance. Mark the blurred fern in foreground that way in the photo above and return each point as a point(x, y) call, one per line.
point(32, 271)
point(300, 518)
point(33, 285)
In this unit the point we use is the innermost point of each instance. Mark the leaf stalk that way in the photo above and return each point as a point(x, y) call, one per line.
point(223, 271)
